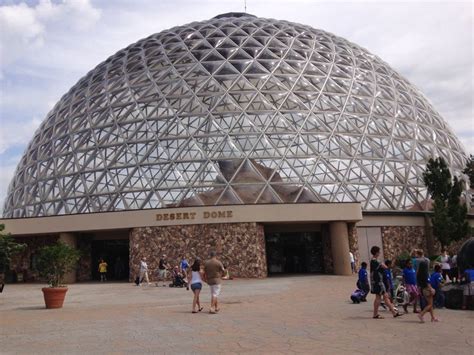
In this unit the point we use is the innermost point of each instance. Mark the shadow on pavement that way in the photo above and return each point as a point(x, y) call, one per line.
point(30, 308)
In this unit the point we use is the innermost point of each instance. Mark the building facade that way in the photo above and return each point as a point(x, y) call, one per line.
point(278, 145)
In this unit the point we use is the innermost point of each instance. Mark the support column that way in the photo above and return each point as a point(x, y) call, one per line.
point(340, 248)
point(70, 240)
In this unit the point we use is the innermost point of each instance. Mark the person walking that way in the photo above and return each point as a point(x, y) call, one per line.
point(423, 281)
point(420, 257)
point(163, 267)
point(213, 272)
point(103, 270)
point(409, 279)
point(144, 272)
point(183, 267)
point(377, 285)
point(195, 280)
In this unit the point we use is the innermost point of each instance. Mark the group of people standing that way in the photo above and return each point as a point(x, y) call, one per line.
point(211, 272)
point(420, 286)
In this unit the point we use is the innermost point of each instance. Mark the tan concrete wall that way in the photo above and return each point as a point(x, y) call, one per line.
point(311, 212)
point(70, 240)
point(340, 248)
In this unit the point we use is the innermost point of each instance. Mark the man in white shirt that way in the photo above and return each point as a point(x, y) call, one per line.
point(351, 256)
point(144, 271)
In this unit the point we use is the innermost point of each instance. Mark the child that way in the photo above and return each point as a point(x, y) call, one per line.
point(388, 279)
point(363, 281)
point(423, 281)
point(103, 270)
point(436, 280)
point(409, 278)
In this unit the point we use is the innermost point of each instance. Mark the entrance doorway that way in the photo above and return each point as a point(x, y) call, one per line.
point(115, 252)
point(294, 252)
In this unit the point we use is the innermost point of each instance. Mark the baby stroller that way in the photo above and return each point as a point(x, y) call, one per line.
point(401, 294)
point(178, 279)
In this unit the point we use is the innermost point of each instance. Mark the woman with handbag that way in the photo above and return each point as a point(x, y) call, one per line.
point(423, 281)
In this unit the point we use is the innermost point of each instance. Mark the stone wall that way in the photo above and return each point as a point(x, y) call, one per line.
point(402, 239)
point(240, 246)
point(354, 243)
point(397, 240)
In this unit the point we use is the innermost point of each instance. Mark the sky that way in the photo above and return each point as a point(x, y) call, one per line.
point(46, 46)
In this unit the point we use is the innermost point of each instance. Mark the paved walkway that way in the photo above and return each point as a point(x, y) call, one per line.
point(310, 314)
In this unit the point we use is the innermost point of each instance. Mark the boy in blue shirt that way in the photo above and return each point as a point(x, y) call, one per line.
point(363, 281)
point(409, 279)
point(436, 280)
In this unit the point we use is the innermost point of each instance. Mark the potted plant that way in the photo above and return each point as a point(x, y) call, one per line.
point(54, 262)
point(8, 248)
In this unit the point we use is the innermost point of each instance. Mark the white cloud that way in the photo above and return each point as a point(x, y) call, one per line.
point(25, 28)
point(17, 133)
point(8, 170)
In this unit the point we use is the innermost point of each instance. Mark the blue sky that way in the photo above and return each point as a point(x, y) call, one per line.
point(46, 46)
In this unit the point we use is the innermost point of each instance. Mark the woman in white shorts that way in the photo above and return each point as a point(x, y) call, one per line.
point(195, 281)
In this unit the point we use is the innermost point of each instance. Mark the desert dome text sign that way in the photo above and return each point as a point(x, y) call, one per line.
point(192, 215)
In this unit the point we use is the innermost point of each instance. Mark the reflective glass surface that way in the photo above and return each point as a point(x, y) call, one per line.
point(233, 110)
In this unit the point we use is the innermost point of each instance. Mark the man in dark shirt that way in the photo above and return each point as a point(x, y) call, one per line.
point(163, 266)
point(213, 272)
point(377, 285)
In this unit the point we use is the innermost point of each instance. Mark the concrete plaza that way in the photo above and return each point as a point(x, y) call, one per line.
point(305, 314)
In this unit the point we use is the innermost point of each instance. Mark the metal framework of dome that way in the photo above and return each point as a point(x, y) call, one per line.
point(152, 125)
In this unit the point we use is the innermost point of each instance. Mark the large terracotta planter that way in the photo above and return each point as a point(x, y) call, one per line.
point(54, 296)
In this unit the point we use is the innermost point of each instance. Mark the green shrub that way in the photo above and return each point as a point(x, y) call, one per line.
point(8, 248)
point(55, 261)
point(402, 259)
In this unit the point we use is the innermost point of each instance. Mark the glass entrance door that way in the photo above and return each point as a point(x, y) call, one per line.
point(294, 252)
point(115, 253)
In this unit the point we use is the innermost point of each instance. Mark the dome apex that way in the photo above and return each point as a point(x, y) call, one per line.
point(234, 14)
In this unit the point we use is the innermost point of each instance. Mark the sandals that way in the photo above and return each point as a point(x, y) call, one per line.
point(378, 316)
point(200, 309)
point(397, 315)
point(435, 320)
point(193, 312)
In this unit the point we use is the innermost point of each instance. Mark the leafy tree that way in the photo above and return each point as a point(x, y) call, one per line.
point(8, 248)
point(449, 218)
point(457, 212)
point(441, 222)
point(469, 170)
point(437, 178)
point(55, 261)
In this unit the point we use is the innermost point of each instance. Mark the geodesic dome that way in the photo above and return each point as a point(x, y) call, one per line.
point(298, 114)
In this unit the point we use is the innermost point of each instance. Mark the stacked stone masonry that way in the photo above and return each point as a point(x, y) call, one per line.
point(240, 246)
point(397, 240)
point(354, 242)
